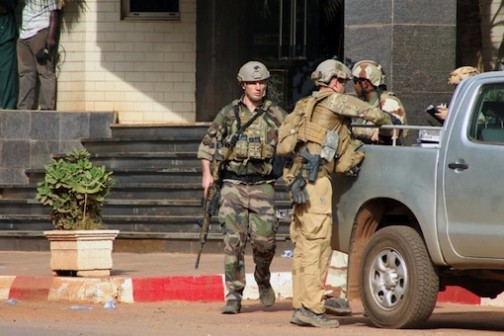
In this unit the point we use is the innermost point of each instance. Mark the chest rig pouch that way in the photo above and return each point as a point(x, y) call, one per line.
point(253, 142)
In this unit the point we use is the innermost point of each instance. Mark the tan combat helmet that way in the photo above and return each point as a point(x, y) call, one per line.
point(253, 71)
point(328, 69)
point(461, 73)
point(369, 70)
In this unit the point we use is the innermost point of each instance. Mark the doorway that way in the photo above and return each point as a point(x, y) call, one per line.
point(289, 36)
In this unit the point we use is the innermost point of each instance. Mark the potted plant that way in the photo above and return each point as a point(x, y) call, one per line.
point(75, 189)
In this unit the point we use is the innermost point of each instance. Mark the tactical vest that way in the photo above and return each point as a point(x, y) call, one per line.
point(254, 149)
point(347, 156)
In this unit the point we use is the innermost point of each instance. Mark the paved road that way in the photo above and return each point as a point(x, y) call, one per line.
point(203, 319)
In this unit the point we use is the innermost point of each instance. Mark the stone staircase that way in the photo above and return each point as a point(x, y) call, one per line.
point(156, 200)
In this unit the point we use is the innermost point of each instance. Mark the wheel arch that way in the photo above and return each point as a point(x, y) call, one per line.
point(372, 216)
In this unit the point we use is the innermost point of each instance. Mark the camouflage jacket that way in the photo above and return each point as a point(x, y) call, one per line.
point(389, 103)
point(252, 154)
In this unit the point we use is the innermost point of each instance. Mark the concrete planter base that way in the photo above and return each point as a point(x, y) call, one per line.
point(85, 253)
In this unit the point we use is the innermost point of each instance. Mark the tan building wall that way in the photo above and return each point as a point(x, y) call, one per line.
point(143, 70)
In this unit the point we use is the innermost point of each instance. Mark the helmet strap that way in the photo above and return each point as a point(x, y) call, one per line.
point(365, 92)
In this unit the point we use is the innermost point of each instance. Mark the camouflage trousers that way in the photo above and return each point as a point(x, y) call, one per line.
point(310, 231)
point(247, 213)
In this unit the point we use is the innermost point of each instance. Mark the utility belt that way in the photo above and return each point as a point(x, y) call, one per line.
point(247, 179)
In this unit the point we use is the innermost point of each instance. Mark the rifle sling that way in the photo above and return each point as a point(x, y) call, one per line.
point(241, 128)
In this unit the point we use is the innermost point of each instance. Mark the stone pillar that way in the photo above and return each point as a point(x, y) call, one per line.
point(492, 31)
point(414, 40)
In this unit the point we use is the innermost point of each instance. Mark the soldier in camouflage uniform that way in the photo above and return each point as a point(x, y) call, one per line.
point(369, 83)
point(456, 76)
point(311, 225)
point(247, 210)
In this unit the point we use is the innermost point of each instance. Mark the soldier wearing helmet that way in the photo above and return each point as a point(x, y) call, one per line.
point(456, 76)
point(369, 84)
point(311, 225)
point(253, 71)
point(242, 138)
point(462, 73)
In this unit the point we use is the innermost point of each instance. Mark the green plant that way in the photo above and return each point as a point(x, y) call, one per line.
point(75, 189)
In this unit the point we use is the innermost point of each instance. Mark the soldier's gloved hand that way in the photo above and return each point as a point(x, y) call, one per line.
point(298, 191)
point(353, 172)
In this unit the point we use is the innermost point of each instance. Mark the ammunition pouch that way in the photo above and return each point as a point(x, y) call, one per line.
point(330, 146)
point(350, 158)
point(249, 148)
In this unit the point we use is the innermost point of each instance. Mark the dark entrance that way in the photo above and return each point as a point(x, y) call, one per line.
point(289, 36)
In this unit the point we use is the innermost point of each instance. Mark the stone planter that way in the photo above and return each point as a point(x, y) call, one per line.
point(84, 253)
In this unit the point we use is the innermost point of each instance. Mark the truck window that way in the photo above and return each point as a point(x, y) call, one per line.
point(487, 121)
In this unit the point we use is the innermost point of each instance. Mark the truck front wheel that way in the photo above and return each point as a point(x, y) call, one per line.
point(398, 282)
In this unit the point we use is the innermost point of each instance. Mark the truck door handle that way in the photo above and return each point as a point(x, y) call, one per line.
point(458, 165)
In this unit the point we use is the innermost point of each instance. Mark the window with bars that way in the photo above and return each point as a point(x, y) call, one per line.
point(151, 9)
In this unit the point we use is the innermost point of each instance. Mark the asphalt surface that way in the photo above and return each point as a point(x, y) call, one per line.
point(135, 265)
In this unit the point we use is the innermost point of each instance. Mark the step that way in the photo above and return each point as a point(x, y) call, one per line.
point(135, 242)
point(146, 160)
point(156, 190)
point(139, 175)
point(126, 190)
point(158, 207)
point(23, 206)
point(25, 222)
point(111, 145)
point(127, 222)
point(116, 160)
point(158, 131)
point(18, 191)
point(161, 207)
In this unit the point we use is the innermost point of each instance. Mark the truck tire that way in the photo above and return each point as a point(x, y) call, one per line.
point(398, 282)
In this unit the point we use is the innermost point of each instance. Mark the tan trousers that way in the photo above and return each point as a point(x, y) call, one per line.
point(30, 72)
point(310, 231)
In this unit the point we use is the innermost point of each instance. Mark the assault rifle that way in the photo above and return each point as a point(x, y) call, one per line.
point(210, 208)
point(212, 200)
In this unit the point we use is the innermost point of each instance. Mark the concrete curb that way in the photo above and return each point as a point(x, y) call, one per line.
point(131, 290)
point(184, 288)
point(203, 288)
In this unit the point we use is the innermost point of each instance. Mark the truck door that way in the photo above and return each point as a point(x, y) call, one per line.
point(473, 176)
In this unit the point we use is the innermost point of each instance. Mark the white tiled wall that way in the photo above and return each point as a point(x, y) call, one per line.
point(145, 71)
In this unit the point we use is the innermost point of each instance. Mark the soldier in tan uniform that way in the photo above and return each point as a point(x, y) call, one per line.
point(311, 225)
point(247, 208)
point(456, 76)
point(369, 81)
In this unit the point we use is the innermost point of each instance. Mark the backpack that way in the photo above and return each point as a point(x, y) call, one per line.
point(297, 126)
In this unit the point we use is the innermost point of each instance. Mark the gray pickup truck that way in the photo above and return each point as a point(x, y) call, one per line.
point(422, 217)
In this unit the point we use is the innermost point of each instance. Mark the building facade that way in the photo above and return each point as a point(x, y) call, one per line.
point(181, 69)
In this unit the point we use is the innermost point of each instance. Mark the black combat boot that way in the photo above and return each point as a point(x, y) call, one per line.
point(316, 320)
